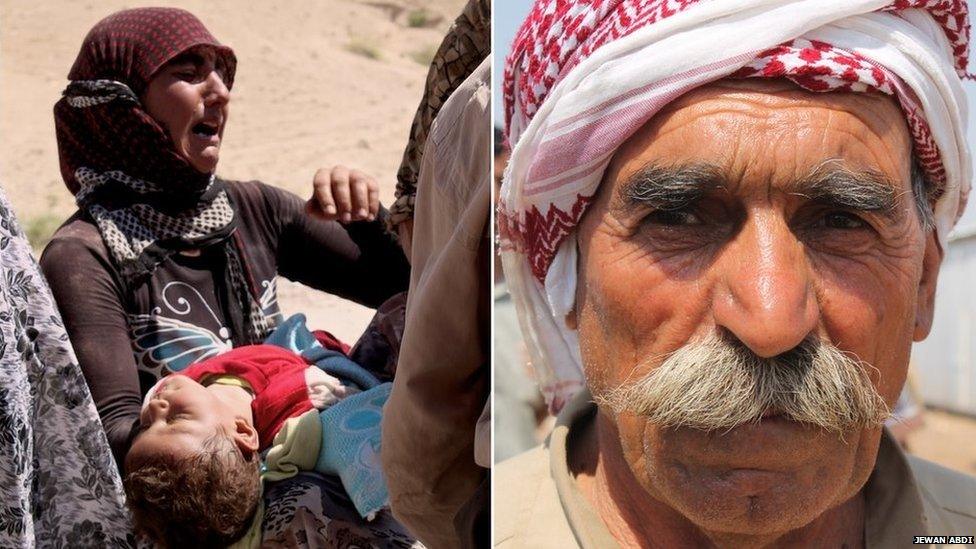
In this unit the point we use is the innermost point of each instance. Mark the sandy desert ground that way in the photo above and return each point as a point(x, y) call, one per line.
point(319, 82)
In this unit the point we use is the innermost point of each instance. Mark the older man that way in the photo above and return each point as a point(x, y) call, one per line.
point(722, 226)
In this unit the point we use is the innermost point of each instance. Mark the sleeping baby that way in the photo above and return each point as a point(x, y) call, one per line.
point(195, 468)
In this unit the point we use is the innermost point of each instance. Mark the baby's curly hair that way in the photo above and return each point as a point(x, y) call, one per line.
point(204, 500)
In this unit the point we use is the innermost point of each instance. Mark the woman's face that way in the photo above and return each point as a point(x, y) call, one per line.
point(189, 99)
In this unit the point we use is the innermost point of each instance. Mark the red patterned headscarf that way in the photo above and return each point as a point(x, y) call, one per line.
point(584, 75)
point(128, 48)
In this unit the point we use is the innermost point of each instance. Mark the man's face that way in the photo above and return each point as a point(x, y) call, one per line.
point(726, 215)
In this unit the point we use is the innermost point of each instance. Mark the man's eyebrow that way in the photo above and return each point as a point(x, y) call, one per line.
point(670, 187)
point(832, 183)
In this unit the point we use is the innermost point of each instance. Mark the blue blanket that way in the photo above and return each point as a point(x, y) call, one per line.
point(351, 427)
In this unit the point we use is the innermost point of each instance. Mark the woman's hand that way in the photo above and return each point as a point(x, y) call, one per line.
point(343, 195)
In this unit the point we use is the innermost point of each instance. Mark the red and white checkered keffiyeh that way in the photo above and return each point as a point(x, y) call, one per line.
point(584, 75)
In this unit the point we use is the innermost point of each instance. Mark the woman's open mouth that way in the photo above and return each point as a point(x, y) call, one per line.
point(206, 130)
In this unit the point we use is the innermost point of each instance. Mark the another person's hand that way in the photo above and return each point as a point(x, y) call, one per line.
point(344, 195)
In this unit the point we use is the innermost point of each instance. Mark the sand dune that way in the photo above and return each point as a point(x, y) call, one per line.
point(308, 94)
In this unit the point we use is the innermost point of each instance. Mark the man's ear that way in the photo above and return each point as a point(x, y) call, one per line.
point(245, 436)
point(571, 319)
point(925, 302)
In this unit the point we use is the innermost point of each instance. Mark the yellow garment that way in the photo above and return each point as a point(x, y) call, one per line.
point(227, 379)
point(296, 447)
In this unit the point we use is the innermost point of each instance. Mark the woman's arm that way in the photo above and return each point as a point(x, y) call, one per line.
point(91, 305)
point(359, 261)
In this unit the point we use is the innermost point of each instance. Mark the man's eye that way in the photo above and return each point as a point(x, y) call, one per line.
point(843, 220)
point(673, 218)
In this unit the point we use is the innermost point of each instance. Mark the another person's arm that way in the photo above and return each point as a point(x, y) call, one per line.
point(91, 305)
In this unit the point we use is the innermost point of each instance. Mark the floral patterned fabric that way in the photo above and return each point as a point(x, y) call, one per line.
point(310, 511)
point(58, 483)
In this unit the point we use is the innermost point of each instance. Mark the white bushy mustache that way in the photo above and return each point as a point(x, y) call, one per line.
point(719, 384)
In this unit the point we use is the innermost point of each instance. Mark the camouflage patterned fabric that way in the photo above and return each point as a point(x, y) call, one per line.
point(465, 46)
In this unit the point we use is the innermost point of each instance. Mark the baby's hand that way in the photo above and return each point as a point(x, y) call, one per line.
point(325, 390)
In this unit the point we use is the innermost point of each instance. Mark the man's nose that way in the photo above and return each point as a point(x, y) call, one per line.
point(765, 296)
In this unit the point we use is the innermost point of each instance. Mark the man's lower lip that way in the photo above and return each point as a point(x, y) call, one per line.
point(771, 432)
point(777, 425)
point(774, 441)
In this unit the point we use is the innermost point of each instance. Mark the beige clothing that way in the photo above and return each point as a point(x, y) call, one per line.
point(539, 505)
point(482, 437)
point(443, 376)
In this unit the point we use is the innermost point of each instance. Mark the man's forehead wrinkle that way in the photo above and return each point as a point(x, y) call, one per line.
point(872, 130)
point(883, 134)
point(876, 111)
point(792, 117)
point(671, 187)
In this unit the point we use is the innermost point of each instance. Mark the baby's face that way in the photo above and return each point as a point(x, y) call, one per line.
point(177, 419)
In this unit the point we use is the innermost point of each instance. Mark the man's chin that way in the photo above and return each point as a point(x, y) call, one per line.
point(752, 503)
point(774, 475)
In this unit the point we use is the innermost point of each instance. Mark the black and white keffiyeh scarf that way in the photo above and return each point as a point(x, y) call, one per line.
point(142, 225)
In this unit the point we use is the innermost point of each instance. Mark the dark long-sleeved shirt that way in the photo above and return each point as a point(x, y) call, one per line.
point(127, 339)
